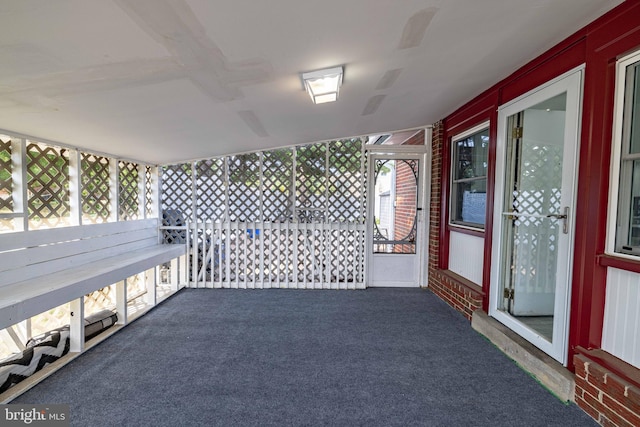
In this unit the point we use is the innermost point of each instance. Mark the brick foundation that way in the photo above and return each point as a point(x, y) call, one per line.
point(603, 393)
point(454, 293)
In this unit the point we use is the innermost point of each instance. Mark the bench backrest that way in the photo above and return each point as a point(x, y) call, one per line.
point(30, 254)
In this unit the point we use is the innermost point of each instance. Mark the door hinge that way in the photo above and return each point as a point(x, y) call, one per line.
point(517, 132)
point(508, 294)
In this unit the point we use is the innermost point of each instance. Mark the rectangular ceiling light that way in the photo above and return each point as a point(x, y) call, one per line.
point(323, 85)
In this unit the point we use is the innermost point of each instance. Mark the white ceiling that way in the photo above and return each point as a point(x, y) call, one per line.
point(163, 81)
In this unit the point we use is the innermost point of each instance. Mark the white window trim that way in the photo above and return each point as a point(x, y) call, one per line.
point(457, 137)
point(616, 153)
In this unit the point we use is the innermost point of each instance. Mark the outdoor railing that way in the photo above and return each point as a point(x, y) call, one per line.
point(275, 255)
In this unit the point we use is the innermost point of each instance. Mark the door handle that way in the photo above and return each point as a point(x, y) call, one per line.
point(564, 217)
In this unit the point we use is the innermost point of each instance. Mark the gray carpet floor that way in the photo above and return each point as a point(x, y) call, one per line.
point(379, 357)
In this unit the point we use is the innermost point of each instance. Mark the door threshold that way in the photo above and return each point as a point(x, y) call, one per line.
point(546, 370)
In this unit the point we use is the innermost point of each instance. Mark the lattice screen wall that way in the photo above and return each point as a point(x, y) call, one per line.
point(290, 217)
point(58, 186)
point(313, 183)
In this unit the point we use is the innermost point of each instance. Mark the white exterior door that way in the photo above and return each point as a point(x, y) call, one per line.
point(396, 219)
point(536, 164)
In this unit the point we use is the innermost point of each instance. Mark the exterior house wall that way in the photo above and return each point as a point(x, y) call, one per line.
point(598, 46)
point(406, 202)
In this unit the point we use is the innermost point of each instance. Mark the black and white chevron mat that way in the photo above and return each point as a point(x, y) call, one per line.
point(48, 348)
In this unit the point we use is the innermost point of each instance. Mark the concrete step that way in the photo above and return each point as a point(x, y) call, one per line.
point(549, 372)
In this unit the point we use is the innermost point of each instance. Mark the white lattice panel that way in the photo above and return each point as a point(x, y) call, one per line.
point(48, 186)
point(96, 188)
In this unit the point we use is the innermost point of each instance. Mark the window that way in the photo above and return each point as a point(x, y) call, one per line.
point(627, 144)
point(469, 177)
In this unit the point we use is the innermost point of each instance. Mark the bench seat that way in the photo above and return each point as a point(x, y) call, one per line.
point(22, 300)
point(43, 269)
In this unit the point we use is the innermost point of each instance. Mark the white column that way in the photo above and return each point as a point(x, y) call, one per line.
point(76, 323)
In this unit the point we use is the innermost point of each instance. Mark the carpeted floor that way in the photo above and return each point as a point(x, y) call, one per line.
point(379, 357)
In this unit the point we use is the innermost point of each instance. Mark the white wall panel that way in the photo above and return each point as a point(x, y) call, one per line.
point(621, 329)
point(466, 256)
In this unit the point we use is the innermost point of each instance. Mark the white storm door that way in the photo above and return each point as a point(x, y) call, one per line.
point(396, 228)
point(534, 212)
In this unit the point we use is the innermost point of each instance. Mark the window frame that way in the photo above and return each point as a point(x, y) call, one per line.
point(453, 182)
point(621, 176)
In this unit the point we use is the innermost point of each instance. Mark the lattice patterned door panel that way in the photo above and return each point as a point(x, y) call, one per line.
point(535, 237)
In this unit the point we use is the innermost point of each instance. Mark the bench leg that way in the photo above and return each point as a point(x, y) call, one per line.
point(150, 280)
point(121, 302)
point(175, 271)
point(76, 323)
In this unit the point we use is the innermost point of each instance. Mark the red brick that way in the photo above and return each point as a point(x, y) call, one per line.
point(580, 363)
point(590, 410)
point(632, 399)
point(584, 386)
point(620, 410)
point(594, 401)
point(615, 387)
point(615, 419)
point(596, 374)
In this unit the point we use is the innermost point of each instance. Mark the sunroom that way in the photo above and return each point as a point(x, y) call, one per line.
point(148, 148)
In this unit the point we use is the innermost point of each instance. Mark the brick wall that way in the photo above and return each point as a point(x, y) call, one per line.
point(458, 292)
point(405, 211)
point(607, 397)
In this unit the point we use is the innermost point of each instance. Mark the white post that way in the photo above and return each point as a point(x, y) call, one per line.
point(150, 280)
point(142, 190)
point(114, 205)
point(176, 268)
point(121, 302)
point(76, 325)
point(19, 180)
point(75, 188)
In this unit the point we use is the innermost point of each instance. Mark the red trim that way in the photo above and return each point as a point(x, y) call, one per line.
point(445, 185)
point(488, 229)
point(613, 261)
point(462, 230)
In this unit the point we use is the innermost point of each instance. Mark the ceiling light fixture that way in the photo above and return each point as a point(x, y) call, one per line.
point(323, 85)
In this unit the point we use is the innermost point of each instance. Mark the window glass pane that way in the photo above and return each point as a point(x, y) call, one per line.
point(628, 221)
point(633, 238)
point(471, 156)
point(471, 202)
point(633, 94)
point(469, 183)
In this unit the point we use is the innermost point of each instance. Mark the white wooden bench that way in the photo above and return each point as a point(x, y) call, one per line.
point(43, 269)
